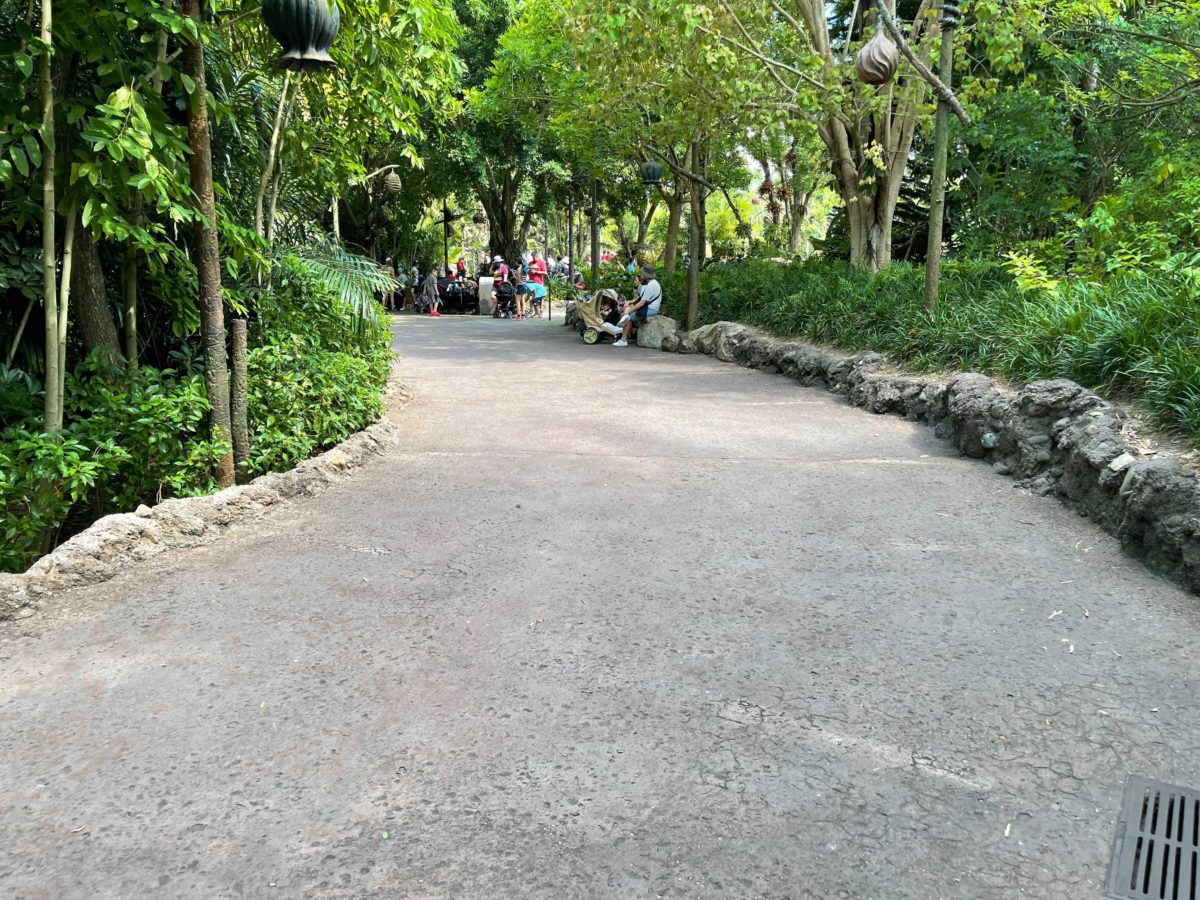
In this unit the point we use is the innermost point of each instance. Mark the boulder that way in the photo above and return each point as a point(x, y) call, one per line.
point(654, 330)
point(722, 340)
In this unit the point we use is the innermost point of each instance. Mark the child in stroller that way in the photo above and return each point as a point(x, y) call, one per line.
point(506, 300)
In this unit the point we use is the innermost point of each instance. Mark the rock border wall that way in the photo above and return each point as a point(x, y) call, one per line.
point(112, 544)
point(1054, 437)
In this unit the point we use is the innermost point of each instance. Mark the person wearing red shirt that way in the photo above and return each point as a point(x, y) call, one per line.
point(538, 270)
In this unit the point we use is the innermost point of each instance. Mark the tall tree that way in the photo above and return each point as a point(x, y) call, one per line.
point(208, 263)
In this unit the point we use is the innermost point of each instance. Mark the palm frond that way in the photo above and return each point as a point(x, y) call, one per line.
point(355, 280)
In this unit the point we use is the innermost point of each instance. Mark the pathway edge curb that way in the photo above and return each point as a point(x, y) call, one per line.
point(111, 544)
point(1055, 437)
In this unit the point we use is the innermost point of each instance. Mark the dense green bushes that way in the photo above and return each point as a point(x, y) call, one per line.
point(1135, 335)
point(316, 372)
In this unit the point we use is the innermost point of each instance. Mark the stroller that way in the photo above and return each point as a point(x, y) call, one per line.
point(506, 301)
point(590, 320)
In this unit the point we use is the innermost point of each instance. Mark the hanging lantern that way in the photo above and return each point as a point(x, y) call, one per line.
point(304, 29)
point(877, 60)
point(651, 172)
point(391, 181)
point(479, 218)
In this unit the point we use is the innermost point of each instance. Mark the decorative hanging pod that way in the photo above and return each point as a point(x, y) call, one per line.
point(479, 218)
point(651, 172)
point(304, 29)
point(877, 60)
point(391, 181)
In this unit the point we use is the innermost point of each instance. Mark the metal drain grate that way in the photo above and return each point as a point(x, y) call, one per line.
point(1157, 849)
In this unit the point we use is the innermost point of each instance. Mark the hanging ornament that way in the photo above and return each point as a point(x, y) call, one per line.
point(391, 181)
point(651, 172)
point(877, 60)
point(304, 29)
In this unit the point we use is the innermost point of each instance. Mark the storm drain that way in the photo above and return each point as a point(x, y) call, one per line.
point(1157, 849)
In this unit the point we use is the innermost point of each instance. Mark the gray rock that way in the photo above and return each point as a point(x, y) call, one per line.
point(971, 398)
point(652, 332)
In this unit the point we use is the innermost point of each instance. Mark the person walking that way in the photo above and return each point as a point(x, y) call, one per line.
point(430, 292)
point(414, 280)
point(389, 295)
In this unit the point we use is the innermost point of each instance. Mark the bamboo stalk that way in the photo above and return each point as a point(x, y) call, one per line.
point(269, 169)
point(64, 300)
point(53, 408)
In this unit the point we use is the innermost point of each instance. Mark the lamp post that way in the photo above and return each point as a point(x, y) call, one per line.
point(447, 218)
point(941, 139)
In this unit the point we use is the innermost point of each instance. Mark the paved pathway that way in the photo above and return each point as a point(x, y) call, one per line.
point(610, 623)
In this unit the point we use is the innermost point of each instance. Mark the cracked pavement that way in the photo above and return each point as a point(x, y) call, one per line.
point(607, 623)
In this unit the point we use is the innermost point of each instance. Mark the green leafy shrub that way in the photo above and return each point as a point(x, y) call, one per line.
point(316, 370)
point(1135, 335)
point(130, 438)
point(317, 366)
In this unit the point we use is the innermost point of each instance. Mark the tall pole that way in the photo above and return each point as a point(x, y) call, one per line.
point(595, 233)
point(941, 140)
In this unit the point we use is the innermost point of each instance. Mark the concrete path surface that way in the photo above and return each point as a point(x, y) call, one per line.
point(608, 623)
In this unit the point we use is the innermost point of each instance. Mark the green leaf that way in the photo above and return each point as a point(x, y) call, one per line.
point(32, 148)
point(19, 160)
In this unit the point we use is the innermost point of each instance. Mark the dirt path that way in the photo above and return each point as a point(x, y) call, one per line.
point(609, 623)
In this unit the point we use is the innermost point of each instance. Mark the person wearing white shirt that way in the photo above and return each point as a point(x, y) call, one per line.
point(646, 302)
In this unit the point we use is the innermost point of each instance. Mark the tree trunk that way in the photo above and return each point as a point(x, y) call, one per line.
point(645, 217)
point(700, 167)
point(239, 424)
point(208, 257)
point(675, 203)
point(797, 241)
point(693, 272)
point(64, 299)
point(523, 240)
point(264, 178)
point(499, 199)
point(97, 327)
point(129, 274)
point(271, 221)
point(53, 406)
point(870, 196)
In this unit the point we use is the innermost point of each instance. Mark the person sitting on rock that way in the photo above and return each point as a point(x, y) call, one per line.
point(646, 302)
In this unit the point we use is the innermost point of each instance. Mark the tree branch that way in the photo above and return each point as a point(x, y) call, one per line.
point(943, 91)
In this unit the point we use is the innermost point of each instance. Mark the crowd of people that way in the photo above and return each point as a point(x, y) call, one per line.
point(519, 291)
